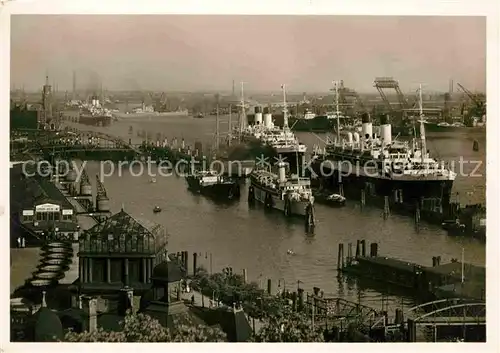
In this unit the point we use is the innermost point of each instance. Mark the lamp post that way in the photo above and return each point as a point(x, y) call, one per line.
point(284, 285)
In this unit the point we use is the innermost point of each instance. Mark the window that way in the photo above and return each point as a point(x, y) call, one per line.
point(116, 270)
point(134, 270)
point(98, 270)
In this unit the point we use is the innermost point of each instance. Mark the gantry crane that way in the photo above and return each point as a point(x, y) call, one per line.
point(382, 83)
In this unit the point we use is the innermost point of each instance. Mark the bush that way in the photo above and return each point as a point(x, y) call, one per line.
point(144, 328)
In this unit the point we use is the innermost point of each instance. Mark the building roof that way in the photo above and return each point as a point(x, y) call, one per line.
point(390, 262)
point(454, 270)
point(123, 233)
point(27, 191)
point(168, 271)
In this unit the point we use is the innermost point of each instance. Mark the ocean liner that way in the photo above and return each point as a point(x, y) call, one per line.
point(377, 167)
point(290, 194)
point(281, 143)
point(94, 114)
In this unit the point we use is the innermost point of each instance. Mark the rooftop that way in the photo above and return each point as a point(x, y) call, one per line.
point(26, 191)
point(126, 234)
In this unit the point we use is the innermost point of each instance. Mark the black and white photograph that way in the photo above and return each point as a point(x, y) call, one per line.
point(249, 178)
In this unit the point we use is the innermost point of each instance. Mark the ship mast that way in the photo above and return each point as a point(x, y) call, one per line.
point(242, 112)
point(422, 127)
point(285, 114)
point(337, 112)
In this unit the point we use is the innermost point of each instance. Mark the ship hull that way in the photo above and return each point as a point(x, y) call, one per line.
point(227, 191)
point(316, 124)
point(263, 196)
point(403, 194)
point(150, 114)
point(430, 127)
point(95, 120)
point(434, 128)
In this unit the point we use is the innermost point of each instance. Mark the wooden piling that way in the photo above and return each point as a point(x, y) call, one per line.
point(386, 207)
point(417, 218)
point(245, 280)
point(340, 257)
point(363, 248)
point(349, 254)
point(358, 249)
point(195, 259)
point(363, 199)
point(269, 286)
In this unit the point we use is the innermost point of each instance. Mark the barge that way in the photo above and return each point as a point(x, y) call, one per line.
point(210, 183)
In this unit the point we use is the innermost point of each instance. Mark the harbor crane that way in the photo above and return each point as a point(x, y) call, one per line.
point(479, 102)
point(382, 83)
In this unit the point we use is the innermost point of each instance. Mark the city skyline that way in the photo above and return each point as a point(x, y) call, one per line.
point(197, 53)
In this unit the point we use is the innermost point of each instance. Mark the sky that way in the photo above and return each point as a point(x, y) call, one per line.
point(174, 52)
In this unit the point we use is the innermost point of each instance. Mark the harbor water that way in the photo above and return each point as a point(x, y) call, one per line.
point(235, 234)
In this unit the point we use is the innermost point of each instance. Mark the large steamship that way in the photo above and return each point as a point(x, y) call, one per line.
point(377, 167)
point(282, 143)
point(93, 113)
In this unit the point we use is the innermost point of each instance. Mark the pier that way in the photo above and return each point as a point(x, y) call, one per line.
point(453, 279)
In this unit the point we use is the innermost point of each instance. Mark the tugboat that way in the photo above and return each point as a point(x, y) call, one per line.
point(292, 194)
point(209, 182)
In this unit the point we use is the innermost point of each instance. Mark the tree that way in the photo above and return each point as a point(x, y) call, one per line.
point(288, 326)
point(144, 328)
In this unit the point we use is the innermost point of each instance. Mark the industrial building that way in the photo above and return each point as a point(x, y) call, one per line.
point(39, 209)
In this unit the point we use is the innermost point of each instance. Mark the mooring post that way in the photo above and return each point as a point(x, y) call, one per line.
point(349, 254)
point(358, 250)
point(363, 200)
point(417, 217)
point(269, 286)
point(386, 207)
point(339, 258)
point(363, 248)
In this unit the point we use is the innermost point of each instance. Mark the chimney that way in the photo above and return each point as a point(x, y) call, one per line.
point(89, 305)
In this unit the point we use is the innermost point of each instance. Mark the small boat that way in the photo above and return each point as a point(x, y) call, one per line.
point(290, 252)
point(153, 180)
point(157, 209)
point(335, 200)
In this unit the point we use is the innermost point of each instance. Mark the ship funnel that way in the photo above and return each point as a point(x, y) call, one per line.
point(268, 120)
point(356, 137)
point(349, 137)
point(367, 129)
point(385, 130)
point(258, 116)
point(282, 172)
